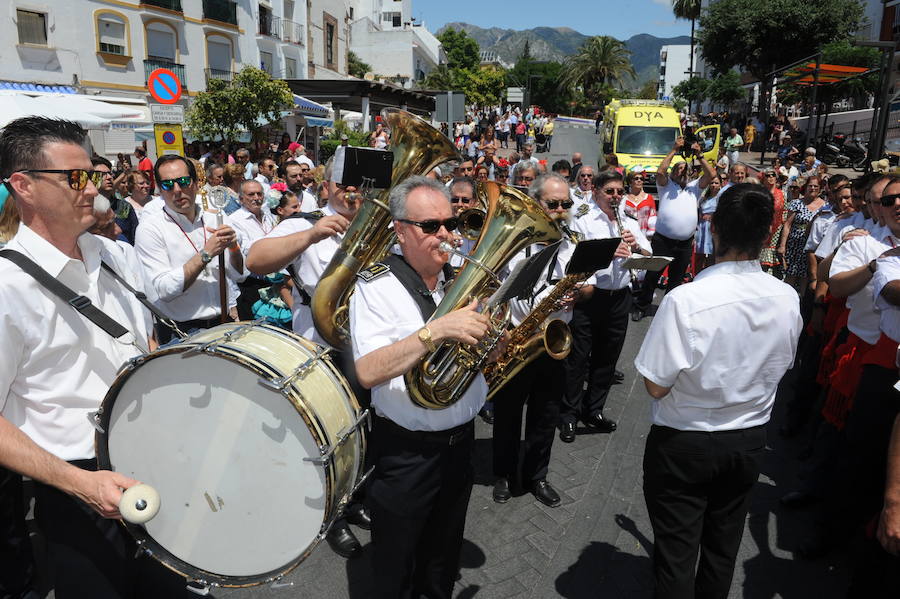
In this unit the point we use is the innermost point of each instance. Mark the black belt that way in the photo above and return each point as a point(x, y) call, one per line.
point(449, 437)
point(199, 323)
point(610, 292)
point(254, 283)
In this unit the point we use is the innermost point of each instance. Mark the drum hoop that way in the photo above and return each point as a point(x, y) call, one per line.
point(140, 534)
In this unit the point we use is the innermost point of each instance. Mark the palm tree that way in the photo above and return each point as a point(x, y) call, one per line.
point(688, 9)
point(600, 62)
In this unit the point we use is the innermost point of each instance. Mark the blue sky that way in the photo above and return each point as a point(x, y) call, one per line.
point(618, 18)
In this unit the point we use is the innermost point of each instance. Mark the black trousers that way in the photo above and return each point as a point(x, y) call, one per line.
point(16, 558)
point(697, 486)
point(418, 496)
point(249, 295)
point(92, 556)
point(598, 333)
point(164, 333)
point(540, 385)
point(680, 252)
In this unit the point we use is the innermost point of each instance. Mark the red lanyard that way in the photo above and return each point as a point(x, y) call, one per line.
point(190, 241)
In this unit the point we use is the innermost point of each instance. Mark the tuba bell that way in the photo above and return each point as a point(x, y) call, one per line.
point(513, 221)
point(418, 148)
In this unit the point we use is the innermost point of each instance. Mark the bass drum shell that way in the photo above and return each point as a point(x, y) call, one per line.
point(240, 502)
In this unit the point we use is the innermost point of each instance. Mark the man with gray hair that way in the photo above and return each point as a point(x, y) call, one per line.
point(253, 221)
point(524, 174)
point(541, 384)
point(423, 476)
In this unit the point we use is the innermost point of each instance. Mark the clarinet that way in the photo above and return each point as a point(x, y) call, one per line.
point(621, 228)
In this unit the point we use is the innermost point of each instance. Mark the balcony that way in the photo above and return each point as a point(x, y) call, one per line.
point(223, 11)
point(291, 32)
point(269, 25)
point(219, 74)
point(151, 64)
point(167, 4)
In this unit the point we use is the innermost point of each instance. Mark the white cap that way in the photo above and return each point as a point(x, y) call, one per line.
point(304, 159)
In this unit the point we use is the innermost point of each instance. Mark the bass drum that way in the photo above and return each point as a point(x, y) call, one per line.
point(251, 437)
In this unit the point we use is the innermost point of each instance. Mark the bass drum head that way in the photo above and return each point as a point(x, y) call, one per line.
point(238, 501)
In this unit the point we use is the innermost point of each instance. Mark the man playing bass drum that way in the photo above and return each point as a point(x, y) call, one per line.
point(420, 488)
point(542, 382)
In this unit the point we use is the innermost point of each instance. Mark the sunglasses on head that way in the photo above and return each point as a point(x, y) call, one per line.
point(430, 227)
point(554, 204)
point(77, 178)
point(169, 184)
point(889, 200)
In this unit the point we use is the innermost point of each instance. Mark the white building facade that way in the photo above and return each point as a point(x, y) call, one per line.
point(674, 67)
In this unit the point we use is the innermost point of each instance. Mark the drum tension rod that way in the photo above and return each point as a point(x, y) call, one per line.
point(94, 419)
point(326, 451)
point(198, 587)
point(231, 335)
point(299, 372)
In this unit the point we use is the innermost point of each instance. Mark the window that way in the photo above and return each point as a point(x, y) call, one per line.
point(32, 27)
point(265, 61)
point(330, 29)
point(394, 18)
point(290, 68)
point(111, 31)
point(218, 55)
point(161, 43)
point(329, 43)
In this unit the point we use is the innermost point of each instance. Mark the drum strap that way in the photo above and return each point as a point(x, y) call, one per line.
point(142, 297)
point(414, 284)
point(79, 302)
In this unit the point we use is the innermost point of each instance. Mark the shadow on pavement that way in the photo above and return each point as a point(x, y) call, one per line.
point(603, 570)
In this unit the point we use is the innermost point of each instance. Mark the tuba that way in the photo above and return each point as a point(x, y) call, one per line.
point(418, 148)
point(513, 221)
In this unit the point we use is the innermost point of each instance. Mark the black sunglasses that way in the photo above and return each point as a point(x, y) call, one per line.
point(169, 184)
point(614, 191)
point(431, 227)
point(77, 178)
point(889, 200)
point(554, 204)
point(459, 199)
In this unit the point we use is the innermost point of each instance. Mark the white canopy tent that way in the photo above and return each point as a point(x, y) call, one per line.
point(14, 105)
point(114, 112)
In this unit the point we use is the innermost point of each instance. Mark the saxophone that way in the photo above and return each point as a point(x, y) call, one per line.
point(418, 147)
point(534, 335)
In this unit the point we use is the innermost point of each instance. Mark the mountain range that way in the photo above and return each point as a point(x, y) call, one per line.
point(555, 43)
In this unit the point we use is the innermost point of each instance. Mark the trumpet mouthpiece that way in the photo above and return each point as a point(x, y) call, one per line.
point(446, 247)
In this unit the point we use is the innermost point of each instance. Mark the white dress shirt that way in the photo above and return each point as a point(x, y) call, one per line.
point(250, 228)
point(888, 269)
point(836, 230)
point(821, 223)
point(596, 225)
point(381, 313)
point(722, 343)
point(308, 201)
point(520, 308)
point(164, 242)
point(308, 267)
point(57, 365)
point(863, 320)
point(676, 217)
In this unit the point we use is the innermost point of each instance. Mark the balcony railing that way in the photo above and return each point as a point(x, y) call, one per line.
point(219, 74)
point(224, 11)
point(151, 64)
point(269, 25)
point(291, 32)
point(168, 4)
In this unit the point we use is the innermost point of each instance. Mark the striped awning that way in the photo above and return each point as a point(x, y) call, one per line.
point(312, 121)
point(308, 107)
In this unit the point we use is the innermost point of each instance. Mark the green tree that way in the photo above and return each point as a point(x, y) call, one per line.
point(440, 78)
point(333, 139)
point(693, 90)
point(356, 67)
point(228, 108)
point(761, 35)
point(462, 51)
point(526, 51)
point(482, 86)
point(648, 91)
point(726, 89)
point(602, 61)
point(688, 10)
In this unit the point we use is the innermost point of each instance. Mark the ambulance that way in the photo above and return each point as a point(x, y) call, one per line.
point(641, 132)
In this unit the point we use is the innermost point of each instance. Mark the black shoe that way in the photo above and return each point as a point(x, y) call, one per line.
point(501, 490)
point(487, 414)
point(637, 314)
point(358, 515)
point(567, 432)
point(602, 424)
point(343, 541)
point(618, 377)
point(798, 499)
point(546, 494)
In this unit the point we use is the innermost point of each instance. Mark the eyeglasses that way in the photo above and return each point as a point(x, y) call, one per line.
point(430, 227)
point(770, 174)
point(889, 200)
point(585, 175)
point(459, 199)
point(77, 178)
point(614, 191)
point(554, 204)
point(169, 184)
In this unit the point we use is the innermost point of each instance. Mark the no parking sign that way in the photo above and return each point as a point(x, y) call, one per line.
point(168, 139)
point(164, 86)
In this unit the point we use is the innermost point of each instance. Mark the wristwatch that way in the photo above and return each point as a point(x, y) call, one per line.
point(205, 257)
point(873, 266)
point(424, 336)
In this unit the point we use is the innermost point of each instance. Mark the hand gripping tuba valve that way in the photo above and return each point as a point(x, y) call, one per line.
point(513, 221)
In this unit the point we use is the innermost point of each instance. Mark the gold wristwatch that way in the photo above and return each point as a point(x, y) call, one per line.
point(424, 336)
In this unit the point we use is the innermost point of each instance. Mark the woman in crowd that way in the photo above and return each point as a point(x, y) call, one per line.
point(769, 257)
point(703, 245)
point(639, 204)
point(379, 139)
point(138, 191)
point(9, 217)
point(481, 173)
point(793, 239)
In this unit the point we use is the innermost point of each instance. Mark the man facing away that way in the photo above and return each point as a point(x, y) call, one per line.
point(712, 361)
